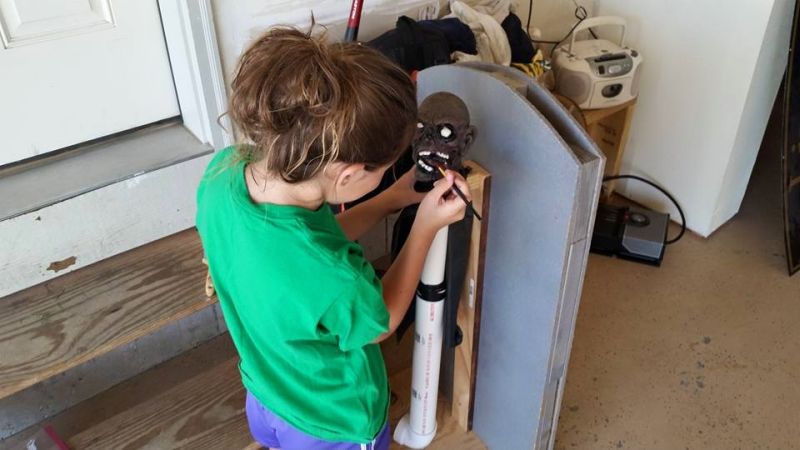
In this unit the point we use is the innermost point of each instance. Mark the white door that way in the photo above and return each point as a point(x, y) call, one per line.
point(76, 70)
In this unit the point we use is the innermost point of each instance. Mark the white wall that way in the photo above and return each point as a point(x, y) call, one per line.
point(766, 80)
point(554, 18)
point(711, 73)
point(239, 21)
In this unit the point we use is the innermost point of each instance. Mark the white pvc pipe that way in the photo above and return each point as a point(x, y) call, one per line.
point(418, 428)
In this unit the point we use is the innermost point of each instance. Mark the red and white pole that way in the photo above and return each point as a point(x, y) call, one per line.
point(354, 21)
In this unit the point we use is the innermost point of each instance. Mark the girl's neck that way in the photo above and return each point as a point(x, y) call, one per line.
point(266, 188)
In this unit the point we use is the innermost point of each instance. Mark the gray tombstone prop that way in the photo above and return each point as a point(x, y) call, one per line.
point(546, 176)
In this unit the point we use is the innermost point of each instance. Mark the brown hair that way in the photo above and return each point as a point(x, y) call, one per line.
point(305, 103)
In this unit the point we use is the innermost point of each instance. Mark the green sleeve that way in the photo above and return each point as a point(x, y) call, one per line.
point(359, 315)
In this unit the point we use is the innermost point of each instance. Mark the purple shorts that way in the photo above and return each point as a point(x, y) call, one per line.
point(273, 432)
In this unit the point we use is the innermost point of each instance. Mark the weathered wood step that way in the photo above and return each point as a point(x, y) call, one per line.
point(204, 412)
point(62, 323)
point(195, 400)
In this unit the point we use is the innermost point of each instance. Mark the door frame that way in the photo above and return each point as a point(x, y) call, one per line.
point(195, 61)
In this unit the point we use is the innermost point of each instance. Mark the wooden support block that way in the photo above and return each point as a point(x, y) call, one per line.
point(59, 324)
point(469, 309)
point(609, 128)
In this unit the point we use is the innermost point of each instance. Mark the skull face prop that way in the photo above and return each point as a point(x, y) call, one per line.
point(442, 137)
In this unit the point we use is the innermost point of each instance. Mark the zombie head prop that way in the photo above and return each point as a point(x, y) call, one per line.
point(442, 137)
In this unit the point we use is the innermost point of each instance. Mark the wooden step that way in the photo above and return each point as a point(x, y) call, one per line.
point(57, 325)
point(195, 400)
point(204, 412)
point(207, 412)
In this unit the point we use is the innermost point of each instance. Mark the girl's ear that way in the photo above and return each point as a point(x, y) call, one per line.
point(347, 173)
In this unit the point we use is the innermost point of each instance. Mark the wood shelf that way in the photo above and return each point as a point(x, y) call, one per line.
point(62, 323)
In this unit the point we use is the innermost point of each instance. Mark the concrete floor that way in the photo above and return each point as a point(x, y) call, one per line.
point(701, 353)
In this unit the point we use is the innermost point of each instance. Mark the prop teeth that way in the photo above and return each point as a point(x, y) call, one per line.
point(426, 153)
point(426, 167)
point(443, 155)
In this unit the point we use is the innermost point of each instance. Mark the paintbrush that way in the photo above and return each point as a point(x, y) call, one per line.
point(459, 193)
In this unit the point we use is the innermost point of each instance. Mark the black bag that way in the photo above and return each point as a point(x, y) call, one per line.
point(413, 46)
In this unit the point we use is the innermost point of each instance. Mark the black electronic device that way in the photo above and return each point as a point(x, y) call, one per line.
point(631, 233)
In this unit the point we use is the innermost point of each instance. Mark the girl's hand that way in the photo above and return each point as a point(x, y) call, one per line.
point(402, 192)
point(441, 206)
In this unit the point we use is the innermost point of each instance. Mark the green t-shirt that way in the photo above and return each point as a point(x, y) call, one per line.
point(302, 305)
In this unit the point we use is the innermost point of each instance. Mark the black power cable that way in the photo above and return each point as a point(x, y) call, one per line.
point(580, 13)
point(528, 25)
point(663, 191)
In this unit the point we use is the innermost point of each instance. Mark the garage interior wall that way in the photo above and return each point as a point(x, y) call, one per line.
point(710, 76)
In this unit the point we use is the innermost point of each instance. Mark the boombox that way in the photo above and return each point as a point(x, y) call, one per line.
point(596, 73)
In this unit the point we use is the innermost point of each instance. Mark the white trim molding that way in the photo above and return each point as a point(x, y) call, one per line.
point(52, 241)
point(195, 59)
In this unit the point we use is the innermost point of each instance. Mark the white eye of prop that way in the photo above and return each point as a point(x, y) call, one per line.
point(446, 132)
point(420, 125)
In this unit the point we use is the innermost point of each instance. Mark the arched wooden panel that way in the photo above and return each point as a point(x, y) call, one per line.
point(545, 185)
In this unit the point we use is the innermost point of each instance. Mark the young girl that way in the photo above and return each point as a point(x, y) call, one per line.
point(304, 308)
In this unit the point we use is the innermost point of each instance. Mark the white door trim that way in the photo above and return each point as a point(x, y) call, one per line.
point(196, 68)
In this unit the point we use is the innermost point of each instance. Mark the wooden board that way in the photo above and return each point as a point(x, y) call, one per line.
point(204, 412)
point(469, 309)
point(449, 435)
point(59, 324)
